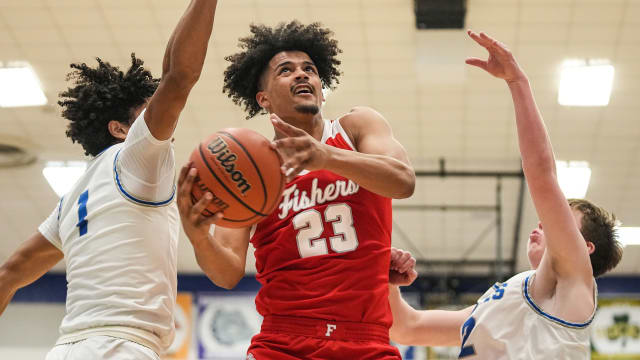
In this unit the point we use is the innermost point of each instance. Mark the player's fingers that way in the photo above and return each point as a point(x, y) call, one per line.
point(183, 172)
point(397, 261)
point(198, 207)
point(478, 38)
point(184, 188)
point(402, 262)
point(284, 154)
point(412, 275)
point(285, 128)
point(295, 162)
point(500, 49)
point(293, 172)
point(291, 143)
point(295, 167)
point(210, 220)
point(409, 264)
point(494, 45)
point(477, 62)
point(487, 39)
point(394, 254)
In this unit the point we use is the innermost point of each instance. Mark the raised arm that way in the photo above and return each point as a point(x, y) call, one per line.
point(223, 255)
point(27, 264)
point(182, 65)
point(567, 255)
point(419, 327)
point(380, 164)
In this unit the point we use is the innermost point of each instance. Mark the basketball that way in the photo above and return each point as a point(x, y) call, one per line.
point(242, 172)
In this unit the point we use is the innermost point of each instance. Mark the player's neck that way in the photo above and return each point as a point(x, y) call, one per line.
point(311, 124)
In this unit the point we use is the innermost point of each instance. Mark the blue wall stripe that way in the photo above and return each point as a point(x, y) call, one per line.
point(52, 287)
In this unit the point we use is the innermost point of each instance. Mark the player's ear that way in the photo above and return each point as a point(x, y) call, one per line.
point(263, 100)
point(591, 247)
point(118, 130)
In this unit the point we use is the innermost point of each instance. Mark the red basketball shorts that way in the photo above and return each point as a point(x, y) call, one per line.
point(293, 338)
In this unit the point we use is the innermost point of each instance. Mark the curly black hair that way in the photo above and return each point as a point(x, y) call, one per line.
point(100, 95)
point(242, 76)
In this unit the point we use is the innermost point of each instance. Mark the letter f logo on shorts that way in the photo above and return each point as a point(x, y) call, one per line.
point(330, 328)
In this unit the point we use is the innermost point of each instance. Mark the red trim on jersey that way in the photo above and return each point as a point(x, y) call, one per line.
point(339, 142)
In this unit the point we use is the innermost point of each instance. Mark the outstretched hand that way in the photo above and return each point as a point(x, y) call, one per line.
point(195, 225)
point(402, 268)
point(500, 63)
point(299, 150)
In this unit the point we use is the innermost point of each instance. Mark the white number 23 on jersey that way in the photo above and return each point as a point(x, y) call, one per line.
point(310, 226)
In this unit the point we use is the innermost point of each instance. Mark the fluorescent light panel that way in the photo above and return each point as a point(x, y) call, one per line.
point(573, 177)
point(629, 235)
point(19, 86)
point(585, 83)
point(62, 175)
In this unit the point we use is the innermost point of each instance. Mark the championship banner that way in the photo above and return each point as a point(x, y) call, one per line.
point(615, 331)
point(226, 323)
point(180, 348)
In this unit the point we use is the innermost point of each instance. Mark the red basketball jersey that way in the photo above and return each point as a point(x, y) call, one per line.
point(324, 252)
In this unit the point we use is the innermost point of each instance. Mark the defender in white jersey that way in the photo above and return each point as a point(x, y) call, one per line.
point(539, 314)
point(118, 227)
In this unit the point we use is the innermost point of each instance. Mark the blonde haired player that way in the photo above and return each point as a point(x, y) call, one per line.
point(118, 227)
point(538, 314)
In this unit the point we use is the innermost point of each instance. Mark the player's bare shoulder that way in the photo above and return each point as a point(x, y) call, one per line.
point(361, 119)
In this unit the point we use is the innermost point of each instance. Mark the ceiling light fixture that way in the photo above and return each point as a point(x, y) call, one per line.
point(573, 177)
point(585, 83)
point(61, 175)
point(19, 86)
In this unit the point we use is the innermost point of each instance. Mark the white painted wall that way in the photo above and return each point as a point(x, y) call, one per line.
point(29, 330)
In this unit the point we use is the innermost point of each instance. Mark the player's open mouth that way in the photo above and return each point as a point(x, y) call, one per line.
point(303, 90)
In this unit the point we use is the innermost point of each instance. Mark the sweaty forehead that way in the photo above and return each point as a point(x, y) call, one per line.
point(293, 56)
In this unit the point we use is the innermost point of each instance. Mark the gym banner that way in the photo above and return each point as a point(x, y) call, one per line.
point(181, 346)
point(615, 331)
point(226, 323)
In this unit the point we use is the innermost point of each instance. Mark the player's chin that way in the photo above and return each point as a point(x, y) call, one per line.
point(307, 107)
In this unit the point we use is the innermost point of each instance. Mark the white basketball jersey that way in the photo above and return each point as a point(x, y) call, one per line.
point(121, 256)
point(507, 324)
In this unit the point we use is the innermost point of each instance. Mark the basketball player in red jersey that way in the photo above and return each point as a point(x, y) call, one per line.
point(323, 255)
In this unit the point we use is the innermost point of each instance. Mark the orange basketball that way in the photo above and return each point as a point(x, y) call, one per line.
point(242, 172)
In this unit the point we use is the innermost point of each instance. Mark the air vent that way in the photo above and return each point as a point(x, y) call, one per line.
point(11, 155)
point(440, 14)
